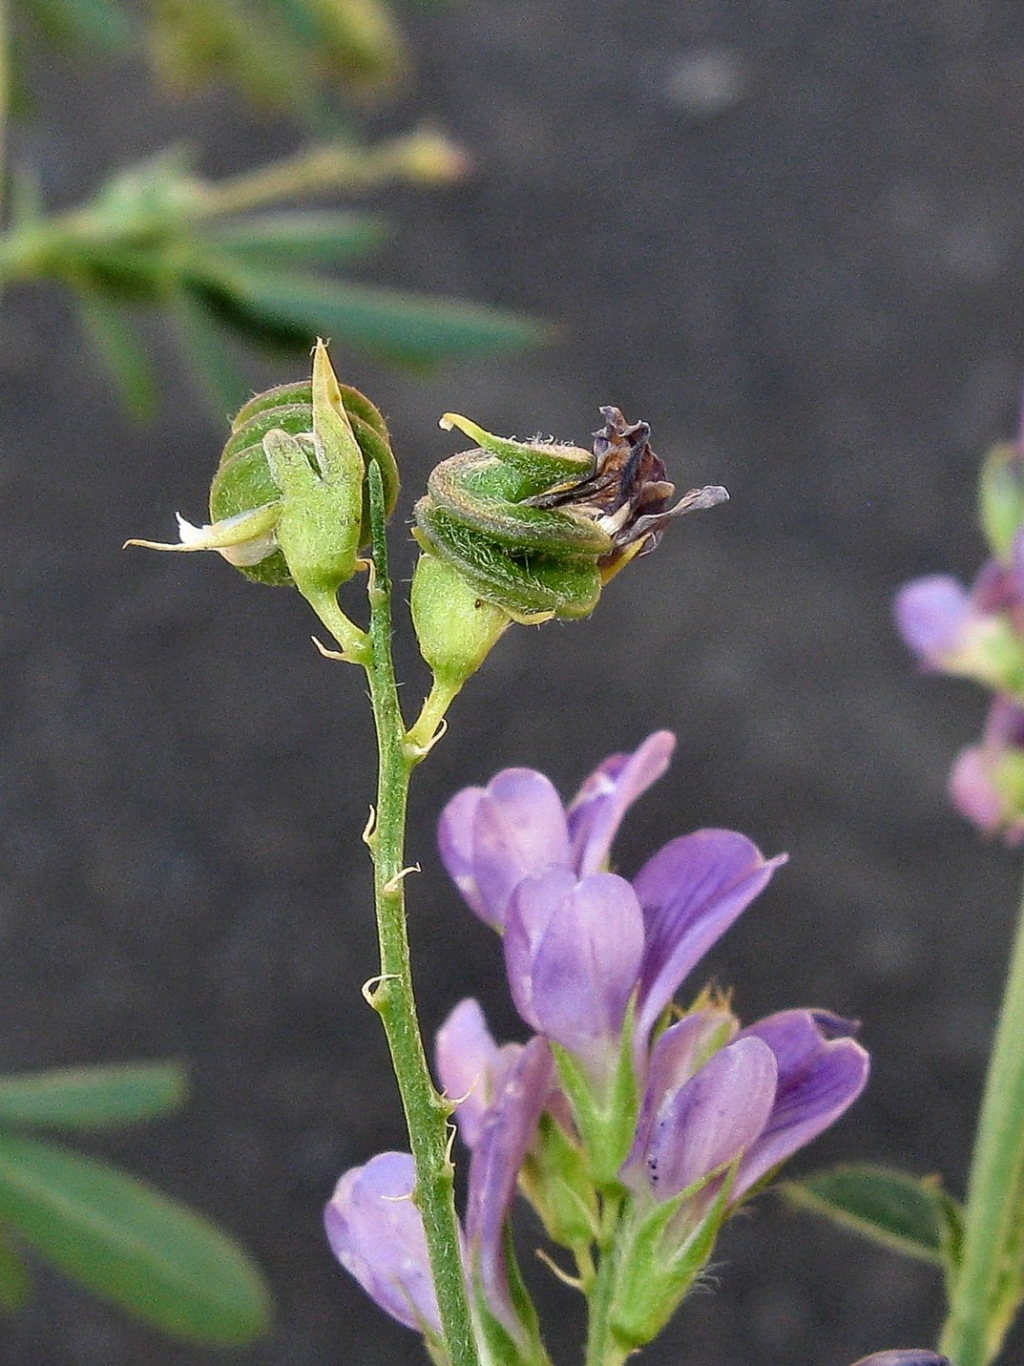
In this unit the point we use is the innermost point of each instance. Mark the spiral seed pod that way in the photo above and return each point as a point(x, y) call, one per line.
point(538, 528)
point(244, 480)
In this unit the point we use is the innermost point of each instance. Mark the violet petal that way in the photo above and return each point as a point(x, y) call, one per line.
point(906, 1356)
point(573, 952)
point(376, 1233)
point(491, 838)
point(691, 891)
point(820, 1076)
point(508, 1130)
point(595, 813)
point(678, 1054)
point(711, 1119)
point(931, 614)
point(470, 1066)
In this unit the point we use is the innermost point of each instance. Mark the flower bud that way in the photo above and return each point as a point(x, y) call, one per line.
point(986, 783)
point(288, 503)
point(1001, 497)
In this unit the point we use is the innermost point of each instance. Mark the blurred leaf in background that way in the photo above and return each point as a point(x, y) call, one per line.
point(116, 1235)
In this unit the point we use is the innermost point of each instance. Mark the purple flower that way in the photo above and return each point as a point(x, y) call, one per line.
point(693, 1126)
point(821, 1072)
point(691, 891)
point(754, 1102)
point(471, 1066)
point(491, 838)
point(595, 813)
point(906, 1356)
point(506, 1133)
point(986, 783)
point(376, 1233)
point(579, 941)
point(977, 634)
point(573, 952)
point(933, 615)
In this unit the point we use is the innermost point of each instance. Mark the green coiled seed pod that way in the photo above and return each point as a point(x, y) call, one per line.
point(538, 528)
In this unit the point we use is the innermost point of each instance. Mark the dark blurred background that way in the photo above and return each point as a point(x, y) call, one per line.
point(791, 237)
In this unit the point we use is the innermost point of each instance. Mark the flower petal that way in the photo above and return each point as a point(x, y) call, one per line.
point(931, 615)
point(376, 1233)
point(470, 1066)
point(822, 1071)
point(906, 1356)
point(596, 811)
point(678, 1054)
point(573, 952)
point(691, 891)
point(707, 1122)
point(455, 844)
point(491, 838)
point(507, 1132)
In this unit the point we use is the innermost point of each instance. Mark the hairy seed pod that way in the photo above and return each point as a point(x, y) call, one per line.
point(244, 481)
point(538, 528)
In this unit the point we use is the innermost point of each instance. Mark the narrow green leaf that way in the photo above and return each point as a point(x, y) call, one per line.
point(292, 309)
point(92, 1097)
point(906, 1213)
point(124, 1240)
point(15, 1285)
point(208, 351)
point(120, 351)
point(299, 238)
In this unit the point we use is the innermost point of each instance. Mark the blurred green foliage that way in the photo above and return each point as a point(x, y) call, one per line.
point(106, 1229)
point(243, 260)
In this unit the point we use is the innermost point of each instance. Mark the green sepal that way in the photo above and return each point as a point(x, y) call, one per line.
point(336, 437)
point(455, 628)
point(556, 1180)
point(607, 1123)
point(505, 1348)
point(543, 463)
point(651, 1279)
point(92, 1097)
point(1001, 498)
point(128, 1243)
point(486, 494)
point(907, 1214)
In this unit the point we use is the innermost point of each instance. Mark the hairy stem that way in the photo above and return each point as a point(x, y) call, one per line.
point(426, 1112)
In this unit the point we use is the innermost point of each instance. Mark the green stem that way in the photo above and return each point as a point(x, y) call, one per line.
point(5, 93)
point(987, 1289)
point(426, 1112)
point(602, 1350)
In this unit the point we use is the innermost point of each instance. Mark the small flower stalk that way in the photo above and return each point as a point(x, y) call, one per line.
point(634, 1126)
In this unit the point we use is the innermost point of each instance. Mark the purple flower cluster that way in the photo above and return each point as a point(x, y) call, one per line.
point(978, 633)
point(620, 1099)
